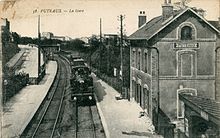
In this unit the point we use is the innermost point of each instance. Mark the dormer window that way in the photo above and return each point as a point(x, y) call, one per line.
point(186, 33)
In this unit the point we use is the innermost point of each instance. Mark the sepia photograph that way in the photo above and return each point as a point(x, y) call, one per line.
point(110, 68)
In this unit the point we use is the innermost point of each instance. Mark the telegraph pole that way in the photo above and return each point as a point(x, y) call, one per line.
point(100, 30)
point(121, 50)
point(39, 57)
point(100, 46)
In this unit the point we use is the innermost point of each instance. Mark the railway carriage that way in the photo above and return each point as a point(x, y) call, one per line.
point(77, 62)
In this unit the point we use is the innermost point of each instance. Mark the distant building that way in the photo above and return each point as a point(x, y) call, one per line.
point(62, 38)
point(47, 35)
point(85, 39)
point(111, 39)
point(67, 38)
point(186, 42)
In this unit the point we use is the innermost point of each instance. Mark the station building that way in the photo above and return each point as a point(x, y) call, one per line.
point(173, 54)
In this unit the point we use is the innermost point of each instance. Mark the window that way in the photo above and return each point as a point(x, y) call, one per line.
point(133, 88)
point(139, 60)
point(186, 33)
point(145, 62)
point(146, 100)
point(133, 59)
point(186, 64)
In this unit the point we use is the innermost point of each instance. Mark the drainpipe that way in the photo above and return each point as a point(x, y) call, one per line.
point(217, 96)
point(158, 92)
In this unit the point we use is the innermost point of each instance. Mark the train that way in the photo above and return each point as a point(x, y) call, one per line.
point(81, 80)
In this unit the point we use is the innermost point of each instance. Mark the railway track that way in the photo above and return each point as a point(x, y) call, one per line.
point(55, 118)
point(85, 121)
point(88, 124)
point(47, 118)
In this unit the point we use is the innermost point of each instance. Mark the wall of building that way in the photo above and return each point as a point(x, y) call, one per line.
point(168, 92)
point(141, 77)
point(175, 56)
point(204, 56)
point(172, 61)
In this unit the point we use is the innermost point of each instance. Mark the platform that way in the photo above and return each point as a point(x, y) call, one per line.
point(121, 118)
point(20, 109)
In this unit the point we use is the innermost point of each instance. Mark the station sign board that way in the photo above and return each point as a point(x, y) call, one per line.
point(186, 45)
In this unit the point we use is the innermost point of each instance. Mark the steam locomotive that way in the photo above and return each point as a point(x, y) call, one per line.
point(81, 80)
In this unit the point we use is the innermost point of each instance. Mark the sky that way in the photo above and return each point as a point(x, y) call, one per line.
point(80, 18)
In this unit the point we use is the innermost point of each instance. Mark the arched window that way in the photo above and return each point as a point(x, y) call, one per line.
point(134, 58)
point(186, 33)
point(139, 60)
point(145, 62)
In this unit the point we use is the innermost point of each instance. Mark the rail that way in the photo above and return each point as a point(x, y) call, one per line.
point(91, 122)
point(49, 103)
point(59, 110)
point(76, 120)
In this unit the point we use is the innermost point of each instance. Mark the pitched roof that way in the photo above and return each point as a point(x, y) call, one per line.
point(148, 29)
point(208, 105)
point(215, 24)
point(14, 60)
point(154, 26)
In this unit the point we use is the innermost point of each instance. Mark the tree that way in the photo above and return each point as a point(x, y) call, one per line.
point(94, 41)
point(15, 37)
point(26, 40)
point(75, 44)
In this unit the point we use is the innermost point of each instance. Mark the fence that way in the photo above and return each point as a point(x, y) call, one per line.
point(112, 81)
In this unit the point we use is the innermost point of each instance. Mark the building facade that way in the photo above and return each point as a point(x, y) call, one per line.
point(184, 57)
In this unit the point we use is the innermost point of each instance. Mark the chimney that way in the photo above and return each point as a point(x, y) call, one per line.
point(167, 9)
point(142, 19)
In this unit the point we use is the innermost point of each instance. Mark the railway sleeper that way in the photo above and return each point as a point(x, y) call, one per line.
point(48, 120)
